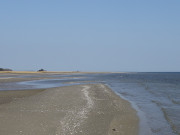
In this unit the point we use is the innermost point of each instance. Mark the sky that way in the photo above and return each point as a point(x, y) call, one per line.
point(90, 35)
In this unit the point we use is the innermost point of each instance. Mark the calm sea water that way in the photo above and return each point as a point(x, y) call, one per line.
point(155, 96)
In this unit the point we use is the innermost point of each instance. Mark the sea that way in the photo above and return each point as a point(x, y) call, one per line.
point(154, 95)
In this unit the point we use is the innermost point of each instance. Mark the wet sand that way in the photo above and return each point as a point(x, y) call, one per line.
point(91, 109)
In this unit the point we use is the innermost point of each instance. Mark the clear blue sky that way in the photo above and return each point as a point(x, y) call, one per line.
point(90, 35)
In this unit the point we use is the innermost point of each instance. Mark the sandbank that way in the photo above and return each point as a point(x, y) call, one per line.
point(91, 109)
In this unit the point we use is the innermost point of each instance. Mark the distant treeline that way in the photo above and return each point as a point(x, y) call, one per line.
point(41, 70)
point(5, 69)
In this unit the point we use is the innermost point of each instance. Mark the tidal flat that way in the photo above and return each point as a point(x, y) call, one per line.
point(86, 109)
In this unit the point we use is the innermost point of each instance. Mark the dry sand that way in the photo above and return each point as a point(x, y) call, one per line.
point(72, 110)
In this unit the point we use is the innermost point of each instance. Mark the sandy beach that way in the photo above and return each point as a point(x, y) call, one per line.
point(91, 109)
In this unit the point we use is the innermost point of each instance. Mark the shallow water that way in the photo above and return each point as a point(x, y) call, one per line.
point(155, 96)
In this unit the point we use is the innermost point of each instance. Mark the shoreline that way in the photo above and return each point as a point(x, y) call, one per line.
point(92, 109)
point(56, 72)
